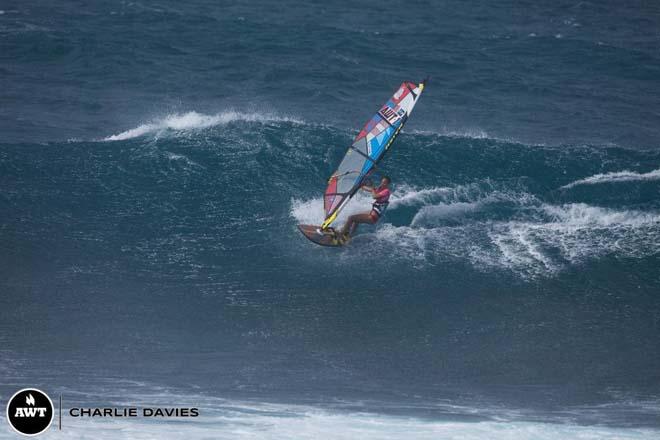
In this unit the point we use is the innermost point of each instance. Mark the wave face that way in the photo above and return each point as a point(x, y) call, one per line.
point(185, 236)
point(156, 157)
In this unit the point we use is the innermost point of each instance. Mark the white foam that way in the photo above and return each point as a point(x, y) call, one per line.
point(410, 196)
point(285, 422)
point(574, 233)
point(311, 211)
point(430, 214)
point(440, 203)
point(580, 215)
point(221, 418)
point(195, 121)
point(619, 176)
point(527, 236)
point(570, 234)
point(483, 191)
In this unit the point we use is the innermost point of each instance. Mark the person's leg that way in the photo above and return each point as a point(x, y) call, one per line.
point(348, 225)
point(357, 219)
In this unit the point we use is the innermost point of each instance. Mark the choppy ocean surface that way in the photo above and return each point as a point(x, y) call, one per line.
point(155, 158)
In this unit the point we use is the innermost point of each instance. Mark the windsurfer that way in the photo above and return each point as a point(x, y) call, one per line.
point(381, 195)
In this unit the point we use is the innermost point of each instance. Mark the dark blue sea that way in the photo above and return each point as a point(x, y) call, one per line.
point(156, 157)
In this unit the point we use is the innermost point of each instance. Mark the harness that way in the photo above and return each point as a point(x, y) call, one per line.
point(379, 208)
point(380, 204)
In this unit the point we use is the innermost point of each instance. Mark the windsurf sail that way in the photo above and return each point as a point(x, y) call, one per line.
point(368, 149)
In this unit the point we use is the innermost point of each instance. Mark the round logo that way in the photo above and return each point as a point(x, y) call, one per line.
point(30, 411)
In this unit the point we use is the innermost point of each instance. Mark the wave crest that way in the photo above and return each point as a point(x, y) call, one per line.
point(619, 176)
point(195, 121)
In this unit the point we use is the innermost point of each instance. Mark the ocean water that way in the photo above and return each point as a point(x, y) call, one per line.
point(156, 157)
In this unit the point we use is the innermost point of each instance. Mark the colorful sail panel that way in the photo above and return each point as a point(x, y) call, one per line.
point(368, 148)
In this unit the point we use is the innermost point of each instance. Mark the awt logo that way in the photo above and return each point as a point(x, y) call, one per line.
point(30, 411)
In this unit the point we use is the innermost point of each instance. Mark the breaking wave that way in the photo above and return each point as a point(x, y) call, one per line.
point(492, 227)
point(619, 176)
point(222, 418)
point(195, 121)
point(287, 423)
point(572, 234)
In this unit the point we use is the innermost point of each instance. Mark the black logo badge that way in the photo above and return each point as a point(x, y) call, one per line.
point(30, 411)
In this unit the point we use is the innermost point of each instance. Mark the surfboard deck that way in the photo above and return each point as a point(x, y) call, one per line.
point(322, 238)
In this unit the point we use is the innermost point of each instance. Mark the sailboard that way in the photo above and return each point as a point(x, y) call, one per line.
point(366, 151)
